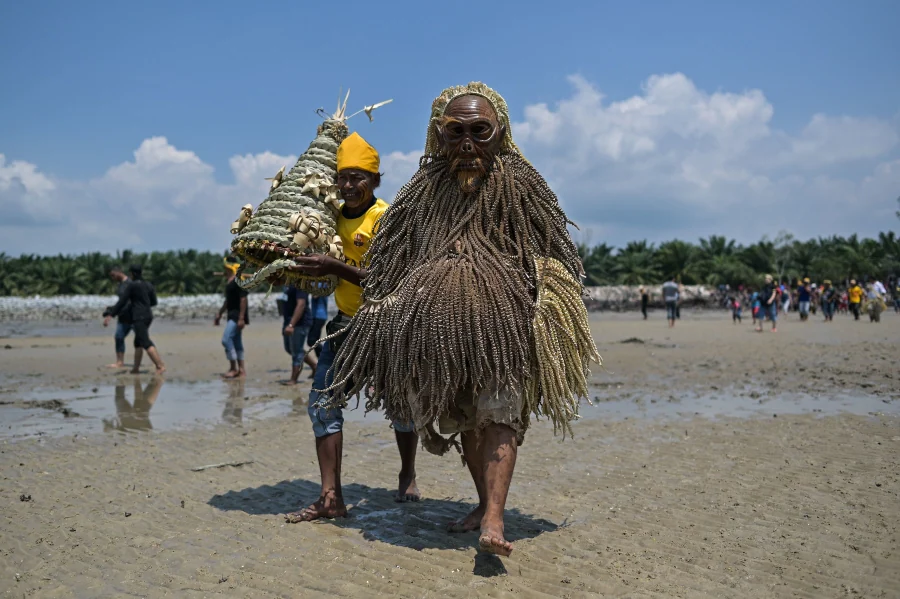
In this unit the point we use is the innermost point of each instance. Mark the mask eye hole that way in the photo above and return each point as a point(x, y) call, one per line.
point(454, 130)
point(482, 130)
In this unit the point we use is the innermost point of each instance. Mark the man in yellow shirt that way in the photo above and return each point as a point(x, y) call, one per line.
point(855, 294)
point(357, 179)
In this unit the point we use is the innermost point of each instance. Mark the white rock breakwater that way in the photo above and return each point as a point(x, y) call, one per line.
point(620, 298)
point(87, 307)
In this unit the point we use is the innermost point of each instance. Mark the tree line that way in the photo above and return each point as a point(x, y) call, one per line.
point(714, 260)
point(181, 272)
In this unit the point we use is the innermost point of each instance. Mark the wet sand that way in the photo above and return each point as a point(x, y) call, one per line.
point(715, 463)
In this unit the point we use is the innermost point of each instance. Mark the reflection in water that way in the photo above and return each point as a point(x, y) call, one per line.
point(134, 417)
point(234, 404)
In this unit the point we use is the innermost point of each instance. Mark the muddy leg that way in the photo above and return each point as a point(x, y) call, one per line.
point(407, 444)
point(331, 499)
point(472, 521)
point(498, 454)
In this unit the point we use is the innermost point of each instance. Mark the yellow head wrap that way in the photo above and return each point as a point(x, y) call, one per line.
point(355, 152)
point(232, 266)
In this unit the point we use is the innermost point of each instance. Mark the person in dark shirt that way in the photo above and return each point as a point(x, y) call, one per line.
point(235, 306)
point(804, 296)
point(828, 299)
point(298, 317)
point(645, 299)
point(124, 323)
point(768, 305)
point(142, 297)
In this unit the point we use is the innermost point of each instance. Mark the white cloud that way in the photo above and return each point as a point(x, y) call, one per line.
point(163, 198)
point(26, 195)
point(671, 161)
point(677, 161)
point(398, 168)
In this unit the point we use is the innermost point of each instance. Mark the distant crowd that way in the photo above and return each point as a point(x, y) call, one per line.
point(805, 297)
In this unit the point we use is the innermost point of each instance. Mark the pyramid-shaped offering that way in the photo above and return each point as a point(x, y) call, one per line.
point(299, 216)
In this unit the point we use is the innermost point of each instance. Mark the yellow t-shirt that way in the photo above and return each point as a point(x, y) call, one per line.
point(356, 235)
point(855, 293)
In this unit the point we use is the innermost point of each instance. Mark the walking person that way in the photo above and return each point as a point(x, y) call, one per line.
point(124, 320)
point(645, 300)
point(670, 296)
point(785, 297)
point(735, 310)
point(357, 179)
point(854, 296)
point(897, 295)
point(768, 305)
point(804, 295)
point(754, 306)
point(297, 320)
point(235, 307)
point(141, 296)
point(828, 298)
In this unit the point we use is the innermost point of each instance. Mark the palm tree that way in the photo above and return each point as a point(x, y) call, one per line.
point(599, 264)
point(675, 259)
point(636, 264)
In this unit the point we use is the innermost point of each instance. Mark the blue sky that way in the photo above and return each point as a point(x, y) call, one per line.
point(88, 84)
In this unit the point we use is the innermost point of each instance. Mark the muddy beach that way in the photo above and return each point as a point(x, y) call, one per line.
point(715, 462)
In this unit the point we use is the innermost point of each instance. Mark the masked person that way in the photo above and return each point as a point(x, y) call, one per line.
point(357, 179)
point(472, 317)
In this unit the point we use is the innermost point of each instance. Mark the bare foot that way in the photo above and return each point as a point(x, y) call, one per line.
point(492, 540)
point(328, 506)
point(407, 489)
point(116, 365)
point(160, 369)
point(468, 523)
point(288, 383)
point(135, 371)
point(234, 374)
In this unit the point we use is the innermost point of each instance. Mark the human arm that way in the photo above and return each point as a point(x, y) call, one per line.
point(152, 293)
point(243, 314)
point(296, 316)
point(320, 265)
point(220, 313)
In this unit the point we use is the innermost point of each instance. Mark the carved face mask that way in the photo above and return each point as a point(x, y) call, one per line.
point(469, 136)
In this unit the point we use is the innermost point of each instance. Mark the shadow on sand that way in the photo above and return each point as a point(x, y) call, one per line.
point(374, 513)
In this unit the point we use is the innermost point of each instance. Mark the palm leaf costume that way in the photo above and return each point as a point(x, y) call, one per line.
point(468, 294)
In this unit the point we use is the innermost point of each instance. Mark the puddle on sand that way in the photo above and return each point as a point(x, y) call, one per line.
point(144, 403)
point(731, 403)
point(147, 403)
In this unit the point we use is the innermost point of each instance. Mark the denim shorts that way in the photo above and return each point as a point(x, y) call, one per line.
point(671, 310)
point(293, 344)
point(328, 421)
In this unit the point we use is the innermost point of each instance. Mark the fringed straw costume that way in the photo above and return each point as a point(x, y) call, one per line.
point(472, 309)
